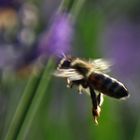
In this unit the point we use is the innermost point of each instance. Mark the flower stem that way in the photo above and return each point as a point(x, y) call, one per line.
point(63, 5)
point(136, 132)
point(36, 101)
point(77, 7)
point(22, 107)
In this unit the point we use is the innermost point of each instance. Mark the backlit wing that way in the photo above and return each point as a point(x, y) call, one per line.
point(101, 65)
point(71, 74)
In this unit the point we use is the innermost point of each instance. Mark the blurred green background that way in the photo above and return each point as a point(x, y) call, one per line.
point(103, 29)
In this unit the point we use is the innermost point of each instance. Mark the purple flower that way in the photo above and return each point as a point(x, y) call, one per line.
point(16, 45)
point(122, 44)
point(57, 40)
point(10, 3)
point(8, 56)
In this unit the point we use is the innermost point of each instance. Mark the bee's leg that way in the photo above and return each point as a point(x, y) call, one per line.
point(95, 107)
point(80, 87)
point(69, 83)
point(100, 99)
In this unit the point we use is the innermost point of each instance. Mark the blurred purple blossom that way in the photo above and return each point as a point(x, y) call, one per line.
point(8, 56)
point(48, 9)
point(17, 36)
point(122, 44)
point(10, 3)
point(57, 39)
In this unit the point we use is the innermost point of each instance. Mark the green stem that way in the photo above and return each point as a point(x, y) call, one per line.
point(39, 95)
point(77, 7)
point(63, 5)
point(22, 107)
point(136, 132)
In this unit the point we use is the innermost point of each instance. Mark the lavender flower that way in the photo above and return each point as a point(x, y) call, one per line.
point(17, 36)
point(10, 3)
point(8, 56)
point(122, 44)
point(57, 39)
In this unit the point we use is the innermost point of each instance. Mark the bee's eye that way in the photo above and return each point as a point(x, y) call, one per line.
point(66, 64)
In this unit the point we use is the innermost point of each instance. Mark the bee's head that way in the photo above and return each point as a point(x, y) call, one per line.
point(65, 62)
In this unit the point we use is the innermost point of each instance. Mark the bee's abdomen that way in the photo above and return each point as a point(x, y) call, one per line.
point(108, 85)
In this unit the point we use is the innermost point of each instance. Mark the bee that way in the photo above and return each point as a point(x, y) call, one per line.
point(89, 77)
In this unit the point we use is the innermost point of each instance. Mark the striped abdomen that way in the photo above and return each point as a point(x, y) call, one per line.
point(108, 85)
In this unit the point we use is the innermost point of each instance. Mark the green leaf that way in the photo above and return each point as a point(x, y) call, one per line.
point(22, 107)
point(29, 104)
point(36, 101)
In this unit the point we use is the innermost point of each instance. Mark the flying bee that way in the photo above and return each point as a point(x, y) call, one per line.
point(89, 76)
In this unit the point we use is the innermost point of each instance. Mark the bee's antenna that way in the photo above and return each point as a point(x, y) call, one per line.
point(60, 56)
point(63, 55)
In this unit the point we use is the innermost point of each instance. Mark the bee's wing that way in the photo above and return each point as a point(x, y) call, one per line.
point(101, 65)
point(71, 74)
